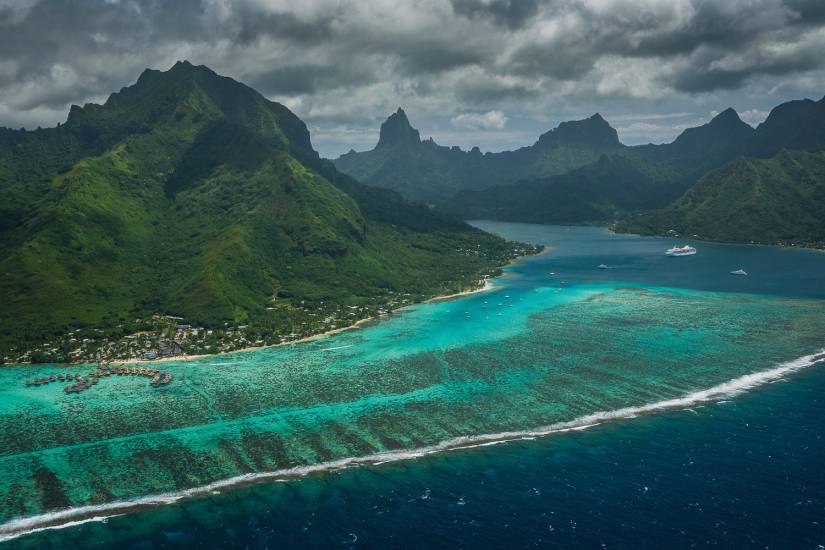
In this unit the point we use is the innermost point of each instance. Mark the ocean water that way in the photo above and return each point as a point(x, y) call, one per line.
point(677, 401)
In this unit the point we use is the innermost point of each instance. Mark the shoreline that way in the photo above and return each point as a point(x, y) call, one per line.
point(791, 246)
point(486, 287)
point(305, 339)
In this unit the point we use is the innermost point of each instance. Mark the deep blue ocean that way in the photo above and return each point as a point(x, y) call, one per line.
point(744, 472)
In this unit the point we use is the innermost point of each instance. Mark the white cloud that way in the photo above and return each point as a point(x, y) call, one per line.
point(754, 117)
point(491, 120)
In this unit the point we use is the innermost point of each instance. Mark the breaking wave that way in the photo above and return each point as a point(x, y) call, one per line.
point(82, 514)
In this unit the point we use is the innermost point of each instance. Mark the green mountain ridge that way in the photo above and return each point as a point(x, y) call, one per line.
point(628, 180)
point(591, 194)
point(191, 194)
point(773, 194)
point(427, 172)
point(777, 200)
point(709, 181)
point(443, 176)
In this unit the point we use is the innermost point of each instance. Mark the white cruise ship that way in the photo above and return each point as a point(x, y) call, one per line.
point(681, 251)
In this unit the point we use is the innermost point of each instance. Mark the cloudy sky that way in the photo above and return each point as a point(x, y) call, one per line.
point(493, 73)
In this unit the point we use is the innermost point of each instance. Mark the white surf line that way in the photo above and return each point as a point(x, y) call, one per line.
point(51, 520)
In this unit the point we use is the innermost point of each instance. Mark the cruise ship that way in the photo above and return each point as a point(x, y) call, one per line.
point(680, 251)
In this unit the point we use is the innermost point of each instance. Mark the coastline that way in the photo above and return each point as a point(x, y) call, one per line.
point(248, 348)
point(791, 246)
point(487, 286)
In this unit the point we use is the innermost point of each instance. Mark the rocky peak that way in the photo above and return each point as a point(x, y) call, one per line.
point(396, 131)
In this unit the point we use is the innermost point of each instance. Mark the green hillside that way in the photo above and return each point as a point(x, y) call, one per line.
point(507, 185)
point(796, 124)
point(595, 193)
point(775, 200)
point(192, 195)
point(427, 172)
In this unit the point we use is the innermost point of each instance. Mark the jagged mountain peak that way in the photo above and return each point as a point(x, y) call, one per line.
point(727, 117)
point(187, 92)
point(397, 131)
point(725, 131)
point(594, 131)
point(798, 124)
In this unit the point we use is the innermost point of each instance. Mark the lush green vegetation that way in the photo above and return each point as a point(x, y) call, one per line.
point(601, 191)
point(192, 195)
point(775, 200)
point(763, 185)
point(775, 194)
point(572, 174)
point(431, 173)
point(793, 125)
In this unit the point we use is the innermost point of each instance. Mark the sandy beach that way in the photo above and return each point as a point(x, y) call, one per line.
point(487, 286)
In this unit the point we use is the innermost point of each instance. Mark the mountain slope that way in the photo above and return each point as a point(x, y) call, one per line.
point(431, 173)
point(191, 194)
point(793, 125)
point(628, 180)
point(775, 200)
point(594, 193)
point(773, 194)
point(700, 149)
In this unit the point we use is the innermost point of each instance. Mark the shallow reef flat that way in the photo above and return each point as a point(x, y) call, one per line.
point(434, 373)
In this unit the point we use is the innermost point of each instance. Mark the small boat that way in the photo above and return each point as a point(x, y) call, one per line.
point(680, 251)
point(51, 378)
point(61, 377)
point(739, 272)
point(602, 266)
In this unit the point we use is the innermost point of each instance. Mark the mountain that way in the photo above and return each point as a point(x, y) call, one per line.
point(431, 173)
point(600, 191)
point(793, 125)
point(396, 132)
point(434, 174)
point(774, 193)
point(703, 147)
point(751, 200)
point(628, 180)
point(190, 194)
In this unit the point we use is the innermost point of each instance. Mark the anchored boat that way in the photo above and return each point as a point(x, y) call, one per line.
point(680, 251)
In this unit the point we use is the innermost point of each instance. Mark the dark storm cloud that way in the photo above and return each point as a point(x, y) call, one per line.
point(253, 26)
point(340, 61)
point(307, 79)
point(512, 13)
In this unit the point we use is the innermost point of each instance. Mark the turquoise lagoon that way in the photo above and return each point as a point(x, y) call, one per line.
point(557, 345)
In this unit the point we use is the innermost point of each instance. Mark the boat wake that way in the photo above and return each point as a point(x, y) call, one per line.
point(74, 516)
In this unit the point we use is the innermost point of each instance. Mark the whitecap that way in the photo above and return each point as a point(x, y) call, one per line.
point(82, 514)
